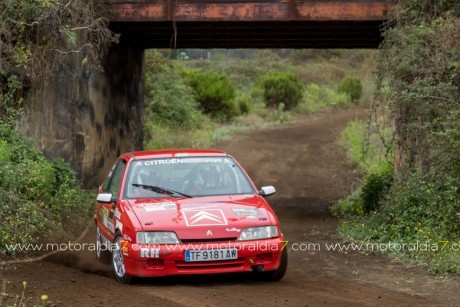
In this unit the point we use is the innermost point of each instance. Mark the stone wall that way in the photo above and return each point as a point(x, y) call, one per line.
point(89, 118)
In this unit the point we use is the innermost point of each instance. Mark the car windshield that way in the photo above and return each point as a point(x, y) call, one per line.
point(186, 177)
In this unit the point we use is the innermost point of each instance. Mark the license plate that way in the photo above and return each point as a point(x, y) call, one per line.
point(211, 254)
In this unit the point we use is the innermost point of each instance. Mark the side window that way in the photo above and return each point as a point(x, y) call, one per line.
point(115, 183)
point(105, 185)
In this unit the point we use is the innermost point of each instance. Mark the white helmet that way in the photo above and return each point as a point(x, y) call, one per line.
point(149, 176)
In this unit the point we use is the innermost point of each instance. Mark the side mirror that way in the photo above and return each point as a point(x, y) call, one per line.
point(106, 198)
point(267, 191)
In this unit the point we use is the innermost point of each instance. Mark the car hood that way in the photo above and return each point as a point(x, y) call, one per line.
point(201, 218)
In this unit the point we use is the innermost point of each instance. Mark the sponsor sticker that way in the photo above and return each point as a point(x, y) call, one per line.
point(178, 161)
point(252, 212)
point(202, 207)
point(111, 227)
point(160, 207)
point(104, 214)
point(150, 252)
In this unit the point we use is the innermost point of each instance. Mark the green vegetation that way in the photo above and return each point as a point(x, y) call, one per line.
point(194, 102)
point(369, 155)
point(419, 85)
point(318, 97)
point(351, 86)
point(281, 87)
point(365, 149)
point(39, 35)
point(214, 92)
point(172, 103)
point(244, 104)
point(41, 199)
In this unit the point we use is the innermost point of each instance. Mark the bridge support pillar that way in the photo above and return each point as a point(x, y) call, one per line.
point(89, 117)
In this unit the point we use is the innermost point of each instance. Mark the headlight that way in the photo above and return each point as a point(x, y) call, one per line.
point(255, 233)
point(156, 237)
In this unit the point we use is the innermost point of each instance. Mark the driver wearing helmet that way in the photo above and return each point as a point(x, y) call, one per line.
point(149, 176)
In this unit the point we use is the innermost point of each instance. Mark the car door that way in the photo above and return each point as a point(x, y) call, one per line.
point(106, 211)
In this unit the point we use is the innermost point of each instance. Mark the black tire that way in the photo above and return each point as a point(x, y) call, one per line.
point(102, 253)
point(277, 274)
point(117, 263)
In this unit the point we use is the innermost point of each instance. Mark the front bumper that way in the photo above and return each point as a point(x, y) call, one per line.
point(162, 260)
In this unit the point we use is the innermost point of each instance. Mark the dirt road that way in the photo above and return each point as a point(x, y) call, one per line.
point(309, 171)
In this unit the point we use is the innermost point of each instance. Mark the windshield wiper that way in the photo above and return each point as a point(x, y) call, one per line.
point(160, 190)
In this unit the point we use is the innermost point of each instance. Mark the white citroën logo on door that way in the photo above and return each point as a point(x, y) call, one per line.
point(209, 233)
point(208, 217)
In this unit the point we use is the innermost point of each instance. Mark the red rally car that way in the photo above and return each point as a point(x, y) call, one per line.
point(178, 212)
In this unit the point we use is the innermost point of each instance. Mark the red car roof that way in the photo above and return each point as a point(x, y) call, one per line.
point(163, 153)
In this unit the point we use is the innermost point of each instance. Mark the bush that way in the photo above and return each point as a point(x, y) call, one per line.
point(317, 98)
point(244, 104)
point(162, 136)
point(36, 195)
point(214, 92)
point(11, 91)
point(281, 87)
point(374, 189)
point(350, 206)
point(417, 210)
point(351, 86)
point(302, 55)
point(171, 102)
point(368, 197)
point(281, 117)
point(423, 208)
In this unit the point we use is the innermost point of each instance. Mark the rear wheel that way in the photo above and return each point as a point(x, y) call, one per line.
point(118, 265)
point(277, 274)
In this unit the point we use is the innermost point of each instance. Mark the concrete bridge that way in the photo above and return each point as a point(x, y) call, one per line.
point(89, 118)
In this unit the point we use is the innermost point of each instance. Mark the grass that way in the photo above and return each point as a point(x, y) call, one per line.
point(318, 97)
point(365, 149)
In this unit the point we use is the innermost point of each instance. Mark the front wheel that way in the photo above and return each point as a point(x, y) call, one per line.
point(277, 274)
point(118, 265)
